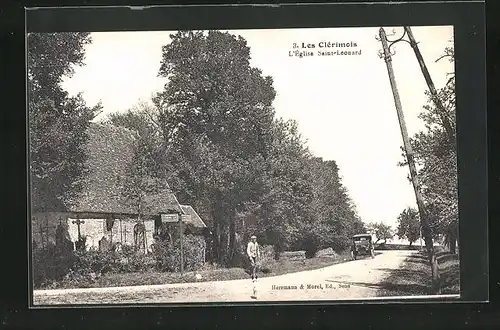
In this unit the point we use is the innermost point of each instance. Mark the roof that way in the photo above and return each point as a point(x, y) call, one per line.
point(110, 151)
point(195, 219)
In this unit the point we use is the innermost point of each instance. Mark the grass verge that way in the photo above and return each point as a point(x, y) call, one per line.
point(414, 276)
point(209, 273)
point(382, 247)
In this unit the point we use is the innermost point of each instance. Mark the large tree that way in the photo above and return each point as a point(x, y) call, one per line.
point(147, 175)
point(336, 219)
point(57, 122)
point(216, 115)
point(234, 161)
point(409, 225)
point(222, 151)
point(382, 231)
point(286, 189)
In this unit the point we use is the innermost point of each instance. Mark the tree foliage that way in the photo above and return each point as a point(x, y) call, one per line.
point(57, 121)
point(145, 176)
point(382, 231)
point(217, 113)
point(409, 225)
point(221, 149)
point(436, 158)
point(334, 213)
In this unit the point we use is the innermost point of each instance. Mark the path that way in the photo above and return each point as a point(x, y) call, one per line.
point(350, 280)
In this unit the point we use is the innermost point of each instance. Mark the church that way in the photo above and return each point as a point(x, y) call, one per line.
point(101, 212)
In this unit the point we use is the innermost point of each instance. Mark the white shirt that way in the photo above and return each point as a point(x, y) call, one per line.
point(253, 249)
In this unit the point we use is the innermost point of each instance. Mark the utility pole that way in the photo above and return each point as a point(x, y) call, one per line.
point(420, 238)
point(424, 220)
point(181, 247)
point(41, 236)
point(443, 113)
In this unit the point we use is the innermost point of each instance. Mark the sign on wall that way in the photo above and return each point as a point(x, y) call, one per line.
point(169, 218)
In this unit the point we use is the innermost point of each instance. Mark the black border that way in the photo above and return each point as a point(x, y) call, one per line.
point(468, 19)
point(114, 18)
point(470, 67)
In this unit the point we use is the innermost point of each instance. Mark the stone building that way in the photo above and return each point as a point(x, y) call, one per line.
point(101, 210)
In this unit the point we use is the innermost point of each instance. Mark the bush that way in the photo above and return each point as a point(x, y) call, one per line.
point(96, 262)
point(134, 261)
point(311, 246)
point(167, 254)
point(341, 243)
point(102, 262)
point(329, 252)
point(266, 262)
point(51, 264)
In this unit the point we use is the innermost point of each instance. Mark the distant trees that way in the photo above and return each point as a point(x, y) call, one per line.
point(57, 122)
point(409, 225)
point(435, 155)
point(382, 231)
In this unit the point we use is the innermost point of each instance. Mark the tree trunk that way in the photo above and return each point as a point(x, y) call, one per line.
point(277, 251)
point(221, 230)
point(452, 241)
point(232, 241)
point(435, 273)
point(217, 241)
point(434, 264)
point(227, 255)
point(411, 243)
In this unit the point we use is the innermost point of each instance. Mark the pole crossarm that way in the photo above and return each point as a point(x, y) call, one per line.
point(402, 38)
point(441, 109)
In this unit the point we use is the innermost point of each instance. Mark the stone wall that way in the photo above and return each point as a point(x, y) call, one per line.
point(93, 229)
point(44, 225)
point(122, 231)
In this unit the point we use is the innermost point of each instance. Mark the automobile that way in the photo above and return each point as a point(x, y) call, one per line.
point(362, 245)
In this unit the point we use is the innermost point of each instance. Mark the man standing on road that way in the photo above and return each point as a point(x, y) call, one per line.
point(253, 253)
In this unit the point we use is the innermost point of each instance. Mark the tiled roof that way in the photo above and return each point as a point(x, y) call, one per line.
point(110, 151)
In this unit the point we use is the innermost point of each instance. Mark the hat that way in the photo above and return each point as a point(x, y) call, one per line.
point(253, 236)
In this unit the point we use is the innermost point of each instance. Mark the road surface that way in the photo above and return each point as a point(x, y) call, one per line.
point(350, 280)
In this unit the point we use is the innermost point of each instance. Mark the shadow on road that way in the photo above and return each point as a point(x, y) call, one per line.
point(404, 273)
point(414, 276)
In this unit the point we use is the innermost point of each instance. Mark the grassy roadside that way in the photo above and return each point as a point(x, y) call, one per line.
point(209, 273)
point(414, 276)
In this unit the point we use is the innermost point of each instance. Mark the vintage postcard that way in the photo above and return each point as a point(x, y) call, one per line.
point(226, 166)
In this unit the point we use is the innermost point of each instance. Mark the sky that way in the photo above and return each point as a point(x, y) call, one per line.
point(343, 104)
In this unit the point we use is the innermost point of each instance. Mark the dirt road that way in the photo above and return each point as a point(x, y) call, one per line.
point(350, 280)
